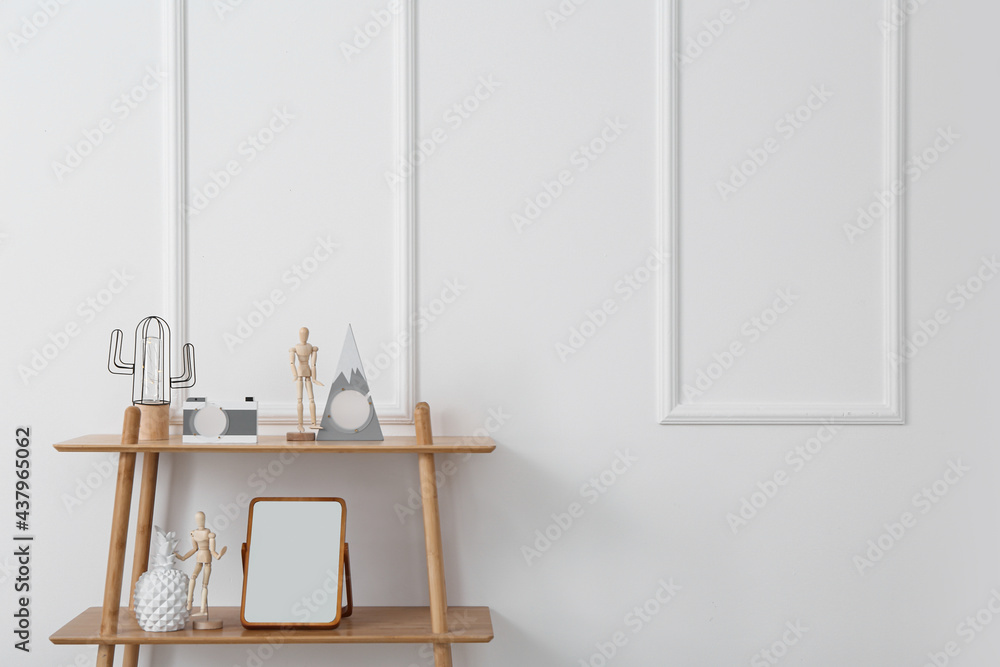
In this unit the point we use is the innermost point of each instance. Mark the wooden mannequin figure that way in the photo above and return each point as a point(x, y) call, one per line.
point(303, 361)
point(202, 543)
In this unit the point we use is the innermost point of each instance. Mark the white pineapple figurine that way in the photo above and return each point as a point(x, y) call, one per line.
point(161, 592)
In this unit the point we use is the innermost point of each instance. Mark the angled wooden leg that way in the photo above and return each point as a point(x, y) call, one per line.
point(143, 533)
point(432, 537)
point(119, 537)
point(105, 655)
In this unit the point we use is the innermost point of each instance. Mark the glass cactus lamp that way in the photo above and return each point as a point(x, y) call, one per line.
point(150, 371)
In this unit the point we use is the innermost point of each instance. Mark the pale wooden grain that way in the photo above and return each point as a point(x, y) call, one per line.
point(432, 535)
point(155, 422)
point(398, 444)
point(143, 534)
point(367, 625)
point(105, 655)
point(144, 520)
point(119, 537)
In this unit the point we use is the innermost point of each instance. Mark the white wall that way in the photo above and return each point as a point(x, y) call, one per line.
point(494, 349)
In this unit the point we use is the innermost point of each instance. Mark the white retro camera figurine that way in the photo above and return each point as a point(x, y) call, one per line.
point(232, 422)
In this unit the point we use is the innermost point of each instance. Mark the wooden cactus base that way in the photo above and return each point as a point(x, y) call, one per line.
point(155, 422)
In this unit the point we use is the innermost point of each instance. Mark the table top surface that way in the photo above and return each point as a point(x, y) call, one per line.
point(367, 625)
point(393, 444)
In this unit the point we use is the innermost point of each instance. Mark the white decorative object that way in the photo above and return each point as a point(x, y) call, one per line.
point(161, 592)
point(350, 412)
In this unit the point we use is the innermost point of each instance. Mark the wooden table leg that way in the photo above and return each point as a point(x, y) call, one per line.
point(432, 537)
point(119, 537)
point(105, 655)
point(143, 533)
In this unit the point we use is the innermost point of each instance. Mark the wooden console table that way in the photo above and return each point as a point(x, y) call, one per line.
point(111, 625)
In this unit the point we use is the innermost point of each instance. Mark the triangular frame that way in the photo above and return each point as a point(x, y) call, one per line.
point(350, 377)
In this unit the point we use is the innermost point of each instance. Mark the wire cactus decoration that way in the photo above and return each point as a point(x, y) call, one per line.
point(150, 367)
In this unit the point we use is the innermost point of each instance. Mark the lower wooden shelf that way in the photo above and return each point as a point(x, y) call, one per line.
point(367, 625)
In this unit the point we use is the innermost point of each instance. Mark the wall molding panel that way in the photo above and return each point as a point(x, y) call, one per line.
point(176, 295)
point(672, 406)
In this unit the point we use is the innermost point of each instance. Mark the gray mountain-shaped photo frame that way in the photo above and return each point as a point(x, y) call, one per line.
point(350, 378)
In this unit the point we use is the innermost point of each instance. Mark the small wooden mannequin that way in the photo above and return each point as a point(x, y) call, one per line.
point(304, 374)
point(202, 543)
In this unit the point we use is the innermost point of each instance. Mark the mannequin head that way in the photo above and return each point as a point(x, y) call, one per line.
point(303, 335)
point(199, 520)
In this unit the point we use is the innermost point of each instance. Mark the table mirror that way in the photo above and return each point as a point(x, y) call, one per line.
point(294, 563)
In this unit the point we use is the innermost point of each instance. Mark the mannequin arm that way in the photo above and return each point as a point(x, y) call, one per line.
point(315, 377)
point(291, 360)
point(211, 547)
point(194, 550)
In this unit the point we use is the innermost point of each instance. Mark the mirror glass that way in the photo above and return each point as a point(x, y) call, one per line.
point(350, 410)
point(294, 552)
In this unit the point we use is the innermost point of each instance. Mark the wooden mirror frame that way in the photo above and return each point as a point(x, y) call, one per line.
point(343, 574)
